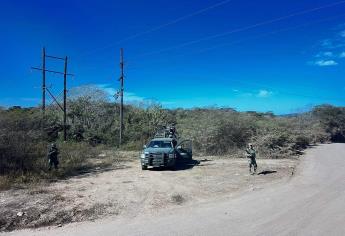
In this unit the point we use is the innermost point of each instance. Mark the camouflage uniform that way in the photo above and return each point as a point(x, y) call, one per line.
point(53, 157)
point(251, 155)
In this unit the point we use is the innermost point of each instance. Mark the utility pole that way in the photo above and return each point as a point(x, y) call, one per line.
point(121, 95)
point(45, 89)
point(43, 82)
point(64, 101)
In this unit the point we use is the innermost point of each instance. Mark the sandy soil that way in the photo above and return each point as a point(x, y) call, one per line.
point(127, 191)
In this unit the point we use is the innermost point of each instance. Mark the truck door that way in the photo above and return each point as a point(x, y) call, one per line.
point(185, 149)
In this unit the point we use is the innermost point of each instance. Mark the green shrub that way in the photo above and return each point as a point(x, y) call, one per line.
point(333, 120)
point(24, 137)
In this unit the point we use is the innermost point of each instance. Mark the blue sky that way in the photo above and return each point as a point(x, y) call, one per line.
point(281, 56)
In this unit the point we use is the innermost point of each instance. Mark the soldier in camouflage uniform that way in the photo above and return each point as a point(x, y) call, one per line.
point(53, 157)
point(251, 155)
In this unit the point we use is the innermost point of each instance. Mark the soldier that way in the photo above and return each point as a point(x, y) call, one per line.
point(251, 155)
point(174, 143)
point(53, 157)
point(172, 131)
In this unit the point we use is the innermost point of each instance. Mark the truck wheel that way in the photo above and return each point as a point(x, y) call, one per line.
point(144, 167)
point(173, 167)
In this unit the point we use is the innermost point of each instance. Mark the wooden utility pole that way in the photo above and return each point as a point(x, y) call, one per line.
point(45, 89)
point(121, 95)
point(43, 81)
point(65, 101)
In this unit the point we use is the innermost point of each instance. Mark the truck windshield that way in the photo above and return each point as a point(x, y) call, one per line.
point(160, 144)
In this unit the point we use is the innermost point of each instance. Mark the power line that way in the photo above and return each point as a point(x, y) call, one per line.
point(247, 28)
point(272, 88)
point(236, 30)
point(251, 37)
point(271, 33)
point(159, 27)
point(254, 37)
point(240, 29)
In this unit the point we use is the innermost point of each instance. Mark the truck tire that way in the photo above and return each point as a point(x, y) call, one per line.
point(173, 167)
point(144, 167)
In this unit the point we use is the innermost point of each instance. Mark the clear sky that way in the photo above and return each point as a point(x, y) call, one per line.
point(282, 56)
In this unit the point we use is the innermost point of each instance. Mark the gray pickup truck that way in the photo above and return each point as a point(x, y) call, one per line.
point(165, 152)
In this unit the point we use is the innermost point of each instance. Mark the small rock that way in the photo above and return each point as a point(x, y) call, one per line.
point(20, 214)
point(59, 225)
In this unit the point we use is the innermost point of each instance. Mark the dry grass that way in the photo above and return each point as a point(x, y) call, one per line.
point(178, 199)
point(5, 183)
point(75, 159)
point(58, 197)
point(39, 190)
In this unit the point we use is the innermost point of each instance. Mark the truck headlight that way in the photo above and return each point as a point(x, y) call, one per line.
point(142, 156)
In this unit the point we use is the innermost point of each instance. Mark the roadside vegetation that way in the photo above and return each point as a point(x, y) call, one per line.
point(93, 128)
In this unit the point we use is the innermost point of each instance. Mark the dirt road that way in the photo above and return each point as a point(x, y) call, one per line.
point(311, 203)
point(124, 190)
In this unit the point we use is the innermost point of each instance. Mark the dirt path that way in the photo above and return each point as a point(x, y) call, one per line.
point(128, 193)
point(312, 203)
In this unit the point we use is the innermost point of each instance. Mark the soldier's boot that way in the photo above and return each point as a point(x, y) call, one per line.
point(49, 165)
point(56, 164)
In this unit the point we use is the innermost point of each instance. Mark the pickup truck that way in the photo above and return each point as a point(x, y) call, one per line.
point(165, 152)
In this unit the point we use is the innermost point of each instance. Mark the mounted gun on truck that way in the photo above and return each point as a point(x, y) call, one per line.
point(166, 149)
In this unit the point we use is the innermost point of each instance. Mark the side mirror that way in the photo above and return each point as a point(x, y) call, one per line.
point(144, 147)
